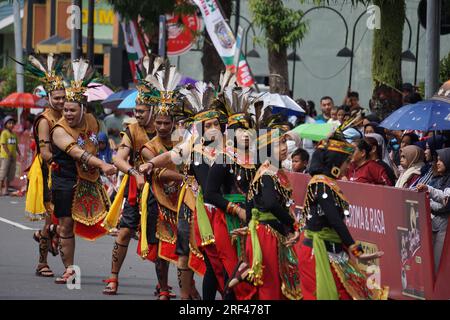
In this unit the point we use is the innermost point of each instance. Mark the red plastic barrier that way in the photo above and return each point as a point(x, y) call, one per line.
point(398, 222)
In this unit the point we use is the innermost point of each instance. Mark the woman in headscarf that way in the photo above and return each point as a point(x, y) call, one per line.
point(412, 161)
point(440, 209)
point(430, 146)
point(384, 156)
point(104, 150)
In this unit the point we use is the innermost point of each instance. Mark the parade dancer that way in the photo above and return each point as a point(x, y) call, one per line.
point(196, 154)
point(272, 264)
point(228, 183)
point(38, 202)
point(326, 270)
point(169, 227)
point(127, 160)
point(79, 198)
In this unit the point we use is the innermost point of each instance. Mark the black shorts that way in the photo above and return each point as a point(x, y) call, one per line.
point(62, 200)
point(183, 231)
point(47, 192)
point(130, 216)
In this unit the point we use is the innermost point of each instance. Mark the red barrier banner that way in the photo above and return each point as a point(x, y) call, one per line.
point(397, 222)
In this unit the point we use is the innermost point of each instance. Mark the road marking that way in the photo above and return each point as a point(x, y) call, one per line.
point(18, 225)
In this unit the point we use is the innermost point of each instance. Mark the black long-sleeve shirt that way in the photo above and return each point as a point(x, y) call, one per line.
point(201, 174)
point(221, 181)
point(268, 200)
point(329, 215)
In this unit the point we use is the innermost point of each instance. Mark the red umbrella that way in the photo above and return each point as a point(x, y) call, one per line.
point(20, 100)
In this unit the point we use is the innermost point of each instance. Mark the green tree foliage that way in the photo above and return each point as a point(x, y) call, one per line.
point(282, 28)
point(444, 70)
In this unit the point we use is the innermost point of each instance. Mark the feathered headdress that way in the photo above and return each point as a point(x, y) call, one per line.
point(145, 94)
point(47, 69)
point(83, 74)
point(161, 87)
point(201, 98)
point(237, 101)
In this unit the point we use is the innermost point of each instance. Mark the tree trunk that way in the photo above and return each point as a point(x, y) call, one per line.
point(211, 61)
point(386, 56)
point(278, 70)
point(387, 44)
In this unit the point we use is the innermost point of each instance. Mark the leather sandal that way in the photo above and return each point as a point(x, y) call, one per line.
point(164, 295)
point(44, 271)
point(237, 276)
point(64, 279)
point(108, 290)
point(158, 290)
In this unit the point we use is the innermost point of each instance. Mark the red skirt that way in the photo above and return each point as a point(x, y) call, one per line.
point(271, 287)
point(307, 266)
point(210, 250)
point(227, 253)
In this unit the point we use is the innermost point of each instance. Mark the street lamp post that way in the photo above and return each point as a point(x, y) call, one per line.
point(344, 52)
point(406, 55)
point(18, 51)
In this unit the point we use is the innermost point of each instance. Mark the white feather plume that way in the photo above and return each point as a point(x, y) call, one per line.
point(35, 62)
point(50, 61)
point(80, 67)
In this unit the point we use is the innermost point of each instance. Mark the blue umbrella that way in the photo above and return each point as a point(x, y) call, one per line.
point(129, 102)
point(428, 115)
point(116, 98)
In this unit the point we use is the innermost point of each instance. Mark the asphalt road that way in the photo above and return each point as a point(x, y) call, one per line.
point(19, 257)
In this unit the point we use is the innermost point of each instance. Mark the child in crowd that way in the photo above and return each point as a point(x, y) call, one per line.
point(300, 160)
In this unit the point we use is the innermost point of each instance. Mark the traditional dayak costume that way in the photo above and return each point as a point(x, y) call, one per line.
point(228, 184)
point(199, 155)
point(38, 200)
point(137, 137)
point(326, 271)
point(274, 266)
point(165, 100)
point(38, 203)
point(76, 187)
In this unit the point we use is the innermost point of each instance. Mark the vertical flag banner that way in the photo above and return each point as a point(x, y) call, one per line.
point(133, 43)
point(223, 39)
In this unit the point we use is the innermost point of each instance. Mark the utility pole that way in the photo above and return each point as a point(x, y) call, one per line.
point(433, 47)
point(19, 51)
point(90, 34)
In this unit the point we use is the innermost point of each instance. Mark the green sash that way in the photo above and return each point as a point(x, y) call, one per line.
point(256, 272)
point(233, 221)
point(204, 226)
point(325, 285)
